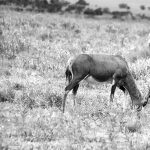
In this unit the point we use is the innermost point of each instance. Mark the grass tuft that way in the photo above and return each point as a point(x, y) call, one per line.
point(54, 100)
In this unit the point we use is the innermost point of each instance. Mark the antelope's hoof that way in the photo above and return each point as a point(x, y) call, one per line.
point(111, 99)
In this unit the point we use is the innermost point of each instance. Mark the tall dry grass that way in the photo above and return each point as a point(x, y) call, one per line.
point(34, 49)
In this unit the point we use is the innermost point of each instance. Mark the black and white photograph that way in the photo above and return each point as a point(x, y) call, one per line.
point(74, 74)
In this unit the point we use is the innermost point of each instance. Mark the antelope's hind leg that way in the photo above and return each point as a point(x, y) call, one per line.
point(73, 85)
point(64, 99)
point(74, 91)
point(113, 88)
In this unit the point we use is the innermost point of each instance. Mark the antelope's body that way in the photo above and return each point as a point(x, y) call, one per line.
point(102, 68)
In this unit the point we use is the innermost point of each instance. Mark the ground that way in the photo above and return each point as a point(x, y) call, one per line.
point(34, 51)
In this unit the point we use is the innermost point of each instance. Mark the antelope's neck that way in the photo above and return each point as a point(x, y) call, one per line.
point(133, 89)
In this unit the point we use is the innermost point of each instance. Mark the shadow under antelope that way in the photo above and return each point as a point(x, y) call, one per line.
point(103, 68)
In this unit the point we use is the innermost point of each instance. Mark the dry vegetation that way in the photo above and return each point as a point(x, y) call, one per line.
point(34, 50)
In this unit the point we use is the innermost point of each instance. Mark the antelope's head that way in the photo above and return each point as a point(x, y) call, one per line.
point(145, 101)
point(147, 98)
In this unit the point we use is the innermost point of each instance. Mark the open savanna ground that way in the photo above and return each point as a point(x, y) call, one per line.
point(34, 49)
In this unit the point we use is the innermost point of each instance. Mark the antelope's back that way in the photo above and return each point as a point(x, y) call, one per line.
point(109, 62)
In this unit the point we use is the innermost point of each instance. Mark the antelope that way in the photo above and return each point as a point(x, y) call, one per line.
point(103, 68)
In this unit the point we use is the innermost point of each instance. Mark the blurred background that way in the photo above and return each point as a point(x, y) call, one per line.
point(122, 9)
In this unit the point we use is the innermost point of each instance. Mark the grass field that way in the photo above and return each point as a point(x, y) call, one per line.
point(34, 51)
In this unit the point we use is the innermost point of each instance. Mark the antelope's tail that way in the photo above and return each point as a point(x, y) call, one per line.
point(69, 73)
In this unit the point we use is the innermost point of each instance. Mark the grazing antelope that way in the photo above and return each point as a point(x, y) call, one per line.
point(102, 68)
